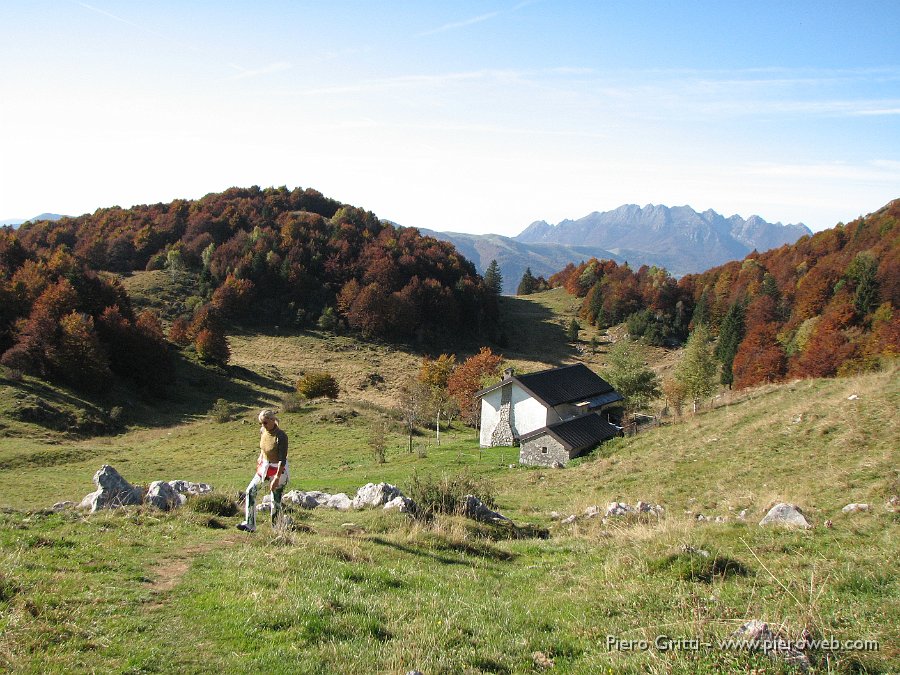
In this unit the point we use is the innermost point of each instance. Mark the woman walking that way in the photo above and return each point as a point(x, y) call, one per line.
point(271, 466)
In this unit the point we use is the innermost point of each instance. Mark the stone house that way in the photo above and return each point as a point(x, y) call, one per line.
point(554, 415)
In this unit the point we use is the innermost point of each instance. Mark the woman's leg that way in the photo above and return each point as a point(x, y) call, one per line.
point(276, 504)
point(276, 496)
point(250, 504)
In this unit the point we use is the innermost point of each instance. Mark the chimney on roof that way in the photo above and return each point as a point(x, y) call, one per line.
point(508, 373)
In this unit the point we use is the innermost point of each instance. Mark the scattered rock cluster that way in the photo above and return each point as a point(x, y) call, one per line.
point(369, 495)
point(374, 495)
point(114, 491)
point(614, 510)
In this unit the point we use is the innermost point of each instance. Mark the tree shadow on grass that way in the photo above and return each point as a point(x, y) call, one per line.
point(530, 330)
point(445, 560)
point(196, 389)
point(442, 544)
point(193, 392)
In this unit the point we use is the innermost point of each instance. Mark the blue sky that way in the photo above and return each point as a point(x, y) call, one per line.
point(465, 116)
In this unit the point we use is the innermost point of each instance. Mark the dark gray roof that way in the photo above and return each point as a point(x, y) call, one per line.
point(578, 433)
point(565, 385)
point(604, 399)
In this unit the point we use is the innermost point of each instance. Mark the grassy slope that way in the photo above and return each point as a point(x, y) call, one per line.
point(131, 591)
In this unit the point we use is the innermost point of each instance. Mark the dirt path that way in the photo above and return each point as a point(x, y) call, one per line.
point(168, 571)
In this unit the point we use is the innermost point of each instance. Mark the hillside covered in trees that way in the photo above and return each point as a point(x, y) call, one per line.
point(824, 306)
point(259, 256)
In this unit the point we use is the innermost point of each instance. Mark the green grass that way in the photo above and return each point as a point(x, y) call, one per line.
point(373, 592)
point(137, 590)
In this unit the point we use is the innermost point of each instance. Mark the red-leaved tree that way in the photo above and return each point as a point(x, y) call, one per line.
point(470, 376)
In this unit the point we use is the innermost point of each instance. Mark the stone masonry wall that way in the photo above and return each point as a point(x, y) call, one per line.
point(503, 433)
point(532, 453)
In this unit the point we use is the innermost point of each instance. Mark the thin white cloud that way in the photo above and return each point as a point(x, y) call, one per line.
point(454, 25)
point(242, 72)
point(118, 18)
point(109, 14)
point(401, 81)
point(459, 24)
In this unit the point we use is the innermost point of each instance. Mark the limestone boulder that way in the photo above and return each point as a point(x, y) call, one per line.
point(305, 500)
point(163, 496)
point(855, 508)
point(474, 508)
point(112, 491)
point(375, 494)
point(340, 501)
point(647, 507)
point(786, 515)
point(401, 504)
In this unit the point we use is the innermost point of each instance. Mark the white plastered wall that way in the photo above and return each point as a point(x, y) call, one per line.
point(490, 413)
point(529, 414)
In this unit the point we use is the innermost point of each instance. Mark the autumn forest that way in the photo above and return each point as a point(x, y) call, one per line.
point(825, 306)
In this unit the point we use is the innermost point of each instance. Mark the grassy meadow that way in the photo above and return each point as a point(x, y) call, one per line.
point(137, 590)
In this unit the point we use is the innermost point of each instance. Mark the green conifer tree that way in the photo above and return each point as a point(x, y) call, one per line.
point(493, 279)
point(528, 284)
point(730, 335)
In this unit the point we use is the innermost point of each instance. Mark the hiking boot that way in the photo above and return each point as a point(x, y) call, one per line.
point(244, 527)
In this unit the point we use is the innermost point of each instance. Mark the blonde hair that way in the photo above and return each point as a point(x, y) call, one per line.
point(266, 414)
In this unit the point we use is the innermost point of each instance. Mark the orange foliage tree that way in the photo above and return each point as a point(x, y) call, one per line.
point(760, 358)
point(469, 377)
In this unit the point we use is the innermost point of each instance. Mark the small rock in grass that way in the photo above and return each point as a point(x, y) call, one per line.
point(785, 515)
point(855, 508)
point(541, 660)
point(757, 634)
point(375, 494)
point(618, 509)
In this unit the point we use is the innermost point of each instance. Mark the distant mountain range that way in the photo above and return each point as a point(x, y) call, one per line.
point(677, 238)
point(15, 222)
point(515, 256)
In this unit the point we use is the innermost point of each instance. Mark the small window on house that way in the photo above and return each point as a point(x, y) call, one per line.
point(543, 449)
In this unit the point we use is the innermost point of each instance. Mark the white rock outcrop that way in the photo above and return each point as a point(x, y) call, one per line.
point(184, 487)
point(401, 504)
point(375, 494)
point(340, 501)
point(306, 500)
point(474, 508)
point(786, 515)
point(855, 508)
point(112, 491)
point(163, 496)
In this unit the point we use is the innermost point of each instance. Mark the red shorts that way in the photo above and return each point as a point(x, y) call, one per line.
point(266, 469)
